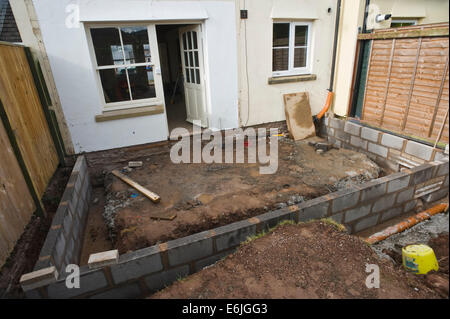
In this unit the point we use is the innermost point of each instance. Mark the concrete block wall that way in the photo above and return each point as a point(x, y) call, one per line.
point(139, 273)
point(386, 149)
point(65, 237)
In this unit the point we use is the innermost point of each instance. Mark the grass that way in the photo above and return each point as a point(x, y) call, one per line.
point(332, 222)
point(264, 233)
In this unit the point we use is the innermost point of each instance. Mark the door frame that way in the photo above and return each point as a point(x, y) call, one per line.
point(204, 58)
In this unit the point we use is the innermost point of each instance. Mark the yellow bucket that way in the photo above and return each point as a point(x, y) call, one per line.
point(419, 259)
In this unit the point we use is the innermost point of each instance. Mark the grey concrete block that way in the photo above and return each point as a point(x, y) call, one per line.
point(410, 206)
point(405, 195)
point(391, 213)
point(357, 212)
point(58, 252)
point(89, 281)
point(130, 291)
point(313, 209)
point(436, 195)
point(384, 203)
point(378, 149)
point(442, 169)
point(370, 134)
point(373, 189)
point(337, 217)
point(326, 120)
point(232, 235)
point(67, 223)
point(446, 182)
point(392, 141)
point(440, 156)
point(365, 223)
point(32, 294)
point(190, 248)
point(337, 124)
point(341, 135)
point(137, 264)
point(419, 150)
point(357, 142)
point(346, 200)
point(163, 279)
point(398, 184)
point(352, 128)
point(199, 265)
point(421, 174)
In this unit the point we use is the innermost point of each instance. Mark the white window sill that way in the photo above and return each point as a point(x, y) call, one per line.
point(130, 112)
point(292, 78)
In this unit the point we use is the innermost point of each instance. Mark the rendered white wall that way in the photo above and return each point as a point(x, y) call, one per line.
point(75, 77)
point(266, 100)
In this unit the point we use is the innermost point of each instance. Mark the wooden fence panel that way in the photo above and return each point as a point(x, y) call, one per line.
point(407, 86)
point(25, 114)
point(16, 203)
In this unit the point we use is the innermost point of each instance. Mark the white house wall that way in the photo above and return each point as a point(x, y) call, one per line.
point(75, 78)
point(266, 100)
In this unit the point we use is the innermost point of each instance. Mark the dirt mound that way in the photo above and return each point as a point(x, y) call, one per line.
point(308, 260)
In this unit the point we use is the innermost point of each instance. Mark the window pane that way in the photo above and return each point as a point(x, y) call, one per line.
point(191, 59)
point(186, 60)
point(197, 75)
point(301, 35)
point(135, 43)
point(196, 58)
point(108, 50)
point(300, 57)
point(188, 76)
point(280, 59)
point(189, 41)
point(142, 82)
point(194, 36)
point(280, 35)
point(184, 41)
point(192, 76)
point(115, 85)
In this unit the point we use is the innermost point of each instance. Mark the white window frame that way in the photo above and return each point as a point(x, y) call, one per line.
point(291, 70)
point(154, 62)
point(400, 20)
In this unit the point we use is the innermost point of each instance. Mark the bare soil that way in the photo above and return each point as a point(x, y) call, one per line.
point(205, 196)
point(27, 249)
point(308, 260)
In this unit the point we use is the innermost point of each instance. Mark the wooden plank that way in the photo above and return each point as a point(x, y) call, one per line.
point(152, 196)
point(400, 34)
point(298, 115)
point(438, 100)
point(16, 203)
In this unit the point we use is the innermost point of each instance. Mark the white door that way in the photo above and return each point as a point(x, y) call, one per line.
point(194, 82)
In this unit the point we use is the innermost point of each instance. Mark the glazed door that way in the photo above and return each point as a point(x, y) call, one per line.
point(194, 82)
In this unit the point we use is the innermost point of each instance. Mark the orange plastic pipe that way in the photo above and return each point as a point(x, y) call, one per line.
point(411, 221)
point(327, 105)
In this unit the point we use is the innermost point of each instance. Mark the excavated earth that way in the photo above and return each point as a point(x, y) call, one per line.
point(307, 260)
point(204, 196)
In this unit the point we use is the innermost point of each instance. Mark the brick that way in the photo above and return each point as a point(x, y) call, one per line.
point(89, 282)
point(405, 195)
point(397, 184)
point(357, 212)
point(365, 223)
point(313, 209)
point(346, 200)
point(130, 291)
point(190, 248)
point(384, 203)
point(357, 142)
point(373, 189)
point(436, 195)
point(232, 235)
point(136, 264)
point(337, 124)
point(391, 213)
point(370, 134)
point(352, 128)
point(104, 258)
point(38, 278)
point(419, 150)
point(163, 279)
point(392, 141)
point(378, 149)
